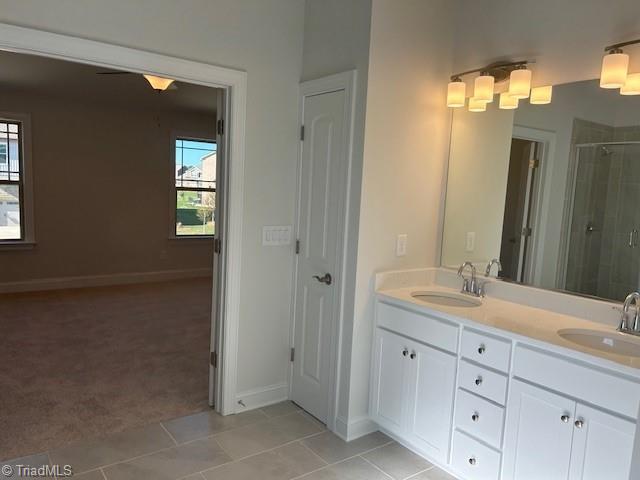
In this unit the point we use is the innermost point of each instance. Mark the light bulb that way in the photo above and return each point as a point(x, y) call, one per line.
point(614, 69)
point(541, 95)
point(476, 105)
point(507, 102)
point(483, 88)
point(456, 93)
point(520, 83)
point(632, 85)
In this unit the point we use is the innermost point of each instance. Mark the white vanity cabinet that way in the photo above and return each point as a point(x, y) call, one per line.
point(554, 437)
point(413, 387)
point(522, 410)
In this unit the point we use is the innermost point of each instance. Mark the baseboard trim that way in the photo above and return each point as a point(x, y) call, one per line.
point(261, 397)
point(102, 280)
point(356, 428)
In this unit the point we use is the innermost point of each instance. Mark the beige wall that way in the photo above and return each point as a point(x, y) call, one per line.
point(101, 190)
point(263, 38)
point(476, 184)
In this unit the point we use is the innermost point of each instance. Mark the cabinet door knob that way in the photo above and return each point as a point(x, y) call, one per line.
point(579, 423)
point(479, 380)
point(413, 355)
point(565, 418)
point(482, 349)
point(475, 417)
point(472, 461)
point(405, 352)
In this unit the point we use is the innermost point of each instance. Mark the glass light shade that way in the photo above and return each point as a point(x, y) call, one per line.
point(520, 83)
point(483, 88)
point(456, 94)
point(158, 83)
point(541, 95)
point(614, 70)
point(507, 102)
point(632, 85)
point(476, 105)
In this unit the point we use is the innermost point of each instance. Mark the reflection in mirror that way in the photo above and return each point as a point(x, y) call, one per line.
point(551, 190)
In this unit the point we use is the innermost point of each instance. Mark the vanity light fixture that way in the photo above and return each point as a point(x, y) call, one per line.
point(507, 102)
point(520, 82)
point(483, 88)
point(615, 66)
point(476, 105)
point(158, 83)
point(631, 85)
point(541, 95)
point(456, 93)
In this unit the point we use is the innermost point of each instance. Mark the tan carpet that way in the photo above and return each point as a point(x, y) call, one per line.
point(82, 363)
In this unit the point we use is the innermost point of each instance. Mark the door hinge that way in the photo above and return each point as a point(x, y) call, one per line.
point(292, 355)
point(526, 232)
point(216, 245)
point(297, 247)
point(214, 359)
point(534, 163)
point(302, 133)
point(220, 127)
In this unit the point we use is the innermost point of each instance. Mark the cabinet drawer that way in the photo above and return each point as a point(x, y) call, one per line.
point(483, 382)
point(480, 418)
point(473, 460)
point(422, 328)
point(590, 384)
point(491, 351)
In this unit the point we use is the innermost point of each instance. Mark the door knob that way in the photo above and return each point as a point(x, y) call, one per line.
point(326, 278)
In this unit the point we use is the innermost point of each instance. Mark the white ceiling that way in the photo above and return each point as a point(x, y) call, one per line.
point(20, 72)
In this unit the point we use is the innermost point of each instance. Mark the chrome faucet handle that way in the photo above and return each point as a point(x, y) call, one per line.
point(633, 297)
point(493, 262)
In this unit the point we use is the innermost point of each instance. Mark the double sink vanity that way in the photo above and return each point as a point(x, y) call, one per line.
point(495, 388)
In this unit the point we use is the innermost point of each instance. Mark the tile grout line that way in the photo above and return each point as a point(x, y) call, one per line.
point(169, 433)
point(315, 454)
point(104, 475)
point(420, 472)
point(375, 466)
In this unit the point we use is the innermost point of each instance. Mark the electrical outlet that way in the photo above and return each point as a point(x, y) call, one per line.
point(470, 245)
point(401, 245)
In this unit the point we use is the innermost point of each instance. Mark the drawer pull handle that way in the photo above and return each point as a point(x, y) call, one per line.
point(579, 423)
point(405, 352)
point(482, 349)
point(565, 418)
point(478, 381)
point(413, 355)
point(475, 417)
point(472, 461)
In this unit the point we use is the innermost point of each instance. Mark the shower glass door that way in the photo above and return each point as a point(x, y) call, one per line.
point(603, 254)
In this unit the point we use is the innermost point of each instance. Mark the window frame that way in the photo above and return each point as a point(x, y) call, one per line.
point(173, 189)
point(27, 231)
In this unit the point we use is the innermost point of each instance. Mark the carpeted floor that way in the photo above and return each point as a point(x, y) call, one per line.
point(83, 363)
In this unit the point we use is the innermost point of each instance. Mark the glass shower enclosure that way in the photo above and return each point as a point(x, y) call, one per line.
point(603, 248)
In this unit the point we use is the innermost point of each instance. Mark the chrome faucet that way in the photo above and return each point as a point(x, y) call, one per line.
point(633, 297)
point(493, 262)
point(470, 285)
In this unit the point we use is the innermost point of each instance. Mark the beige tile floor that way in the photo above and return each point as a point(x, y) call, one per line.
point(280, 442)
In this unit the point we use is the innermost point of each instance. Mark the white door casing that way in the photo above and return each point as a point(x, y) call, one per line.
point(326, 112)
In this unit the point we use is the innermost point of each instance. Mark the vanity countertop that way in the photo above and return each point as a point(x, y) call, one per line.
point(530, 323)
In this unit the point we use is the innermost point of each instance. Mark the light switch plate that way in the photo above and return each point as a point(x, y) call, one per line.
point(470, 244)
point(401, 245)
point(276, 236)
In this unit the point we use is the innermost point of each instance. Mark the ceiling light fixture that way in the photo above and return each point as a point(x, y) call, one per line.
point(456, 93)
point(541, 95)
point(615, 66)
point(483, 88)
point(631, 85)
point(159, 83)
point(507, 102)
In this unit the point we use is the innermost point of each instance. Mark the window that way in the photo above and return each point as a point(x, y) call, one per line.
point(195, 187)
point(12, 185)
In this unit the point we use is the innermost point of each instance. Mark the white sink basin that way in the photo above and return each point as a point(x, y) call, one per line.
point(447, 299)
point(611, 342)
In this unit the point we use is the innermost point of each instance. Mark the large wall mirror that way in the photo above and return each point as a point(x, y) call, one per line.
point(553, 191)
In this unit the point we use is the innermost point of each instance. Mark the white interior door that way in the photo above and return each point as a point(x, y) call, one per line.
point(323, 171)
point(219, 265)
